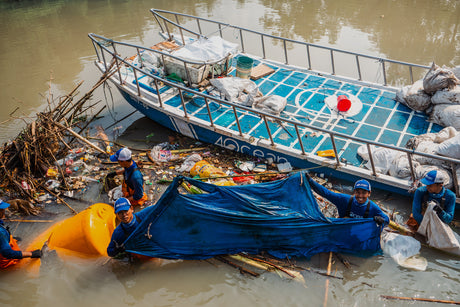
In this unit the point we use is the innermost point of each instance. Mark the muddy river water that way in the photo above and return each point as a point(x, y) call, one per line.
point(43, 40)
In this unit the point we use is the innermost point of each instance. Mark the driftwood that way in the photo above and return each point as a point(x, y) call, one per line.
point(25, 161)
point(419, 299)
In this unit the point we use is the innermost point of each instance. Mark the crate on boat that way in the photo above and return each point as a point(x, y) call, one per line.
point(197, 72)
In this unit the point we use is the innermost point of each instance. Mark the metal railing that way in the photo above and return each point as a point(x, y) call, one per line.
point(102, 45)
point(165, 23)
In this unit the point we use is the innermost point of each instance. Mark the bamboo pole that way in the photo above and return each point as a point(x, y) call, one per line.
point(79, 137)
point(242, 270)
point(419, 299)
point(57, 196)
point(327, 280)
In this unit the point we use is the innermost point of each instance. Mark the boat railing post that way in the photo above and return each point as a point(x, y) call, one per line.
point(103, 58)
point(384, 72)
point(189, 79)
point(334, 146)
point(454, 178)
point(359, 68)
point(199, 26)
point(371, 159)
point(159, 23)
point(285, 52)
point(241, 40)
point(220, 30)
point(137, 82)
point(158, 92)
point(237, 121)
point(268, 130)
point(183, 103)
point(167, 29)
point(180, 29)
point(263, 45)
point(308, 57)
point(140, 58)
point(299, 138)
point(332, 62)
point(411, 166)
point(411, 74)
point(116, 62)
point(96, 50)
point(209, 111)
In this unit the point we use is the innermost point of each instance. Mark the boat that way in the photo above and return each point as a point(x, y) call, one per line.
point(280, 217)
point(322, 104)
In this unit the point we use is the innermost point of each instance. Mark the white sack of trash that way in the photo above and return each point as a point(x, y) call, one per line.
point(437, 94)
point(247, 93)
point(438, 234)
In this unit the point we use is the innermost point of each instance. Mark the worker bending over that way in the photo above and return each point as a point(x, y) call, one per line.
point(433, 190)
point(133, 181)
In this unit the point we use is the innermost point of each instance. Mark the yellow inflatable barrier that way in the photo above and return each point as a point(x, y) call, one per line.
point(85, 235)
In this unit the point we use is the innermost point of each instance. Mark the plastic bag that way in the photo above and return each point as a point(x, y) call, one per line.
point(237, 90)
point(382, 157)
point(204, 170)
point(438, 79)
point(400, 166)
point(404, 250)
point(272, 104)
point(429, 148)
point(188, 163)
point(160, 154)
point(447, 96)
point(450, 148)
point(115, 193)
point(415, 97)
point(438, 234)
point(446, 115)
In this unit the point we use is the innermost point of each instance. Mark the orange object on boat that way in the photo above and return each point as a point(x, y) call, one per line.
point(326, 153)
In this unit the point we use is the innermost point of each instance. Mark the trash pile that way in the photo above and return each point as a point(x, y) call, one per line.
point(44, 154)
point(437, 94)
point(444, 143)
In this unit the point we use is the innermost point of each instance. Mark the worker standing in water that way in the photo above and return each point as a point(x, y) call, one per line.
point(357, 205)
point(433, 190)
point(10, 253)
point(133, 181)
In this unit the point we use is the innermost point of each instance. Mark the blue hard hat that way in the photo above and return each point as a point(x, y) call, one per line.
point(4, 205)
point(363, 184)
point(122, 204)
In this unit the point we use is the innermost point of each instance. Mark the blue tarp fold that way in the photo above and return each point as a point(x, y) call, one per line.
point(279, 217)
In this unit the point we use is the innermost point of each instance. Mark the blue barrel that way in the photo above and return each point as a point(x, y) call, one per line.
point(244, 67)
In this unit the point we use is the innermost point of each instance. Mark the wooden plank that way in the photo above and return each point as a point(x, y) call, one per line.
point(260, 71)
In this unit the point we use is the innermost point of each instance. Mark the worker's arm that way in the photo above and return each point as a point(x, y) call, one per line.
point(116, 242)
point(376, 211)
point(338, 199)
point(7, 251)
point(447, 214)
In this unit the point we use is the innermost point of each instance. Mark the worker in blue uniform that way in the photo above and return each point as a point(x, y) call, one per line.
point(9, 250)
point(128, 223)
point(433, 190)
point(133, 183)
point(357, 205)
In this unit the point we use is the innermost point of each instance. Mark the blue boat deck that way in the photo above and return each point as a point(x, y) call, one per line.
point(382, 118)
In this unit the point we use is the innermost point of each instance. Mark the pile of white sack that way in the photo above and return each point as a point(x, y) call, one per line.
point(247, 93)
point(437, 94)
point(394, 163)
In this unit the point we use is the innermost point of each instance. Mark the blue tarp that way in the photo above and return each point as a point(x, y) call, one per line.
point(279, 217)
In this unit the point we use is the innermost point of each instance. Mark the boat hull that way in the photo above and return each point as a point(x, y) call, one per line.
point(243, 145)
